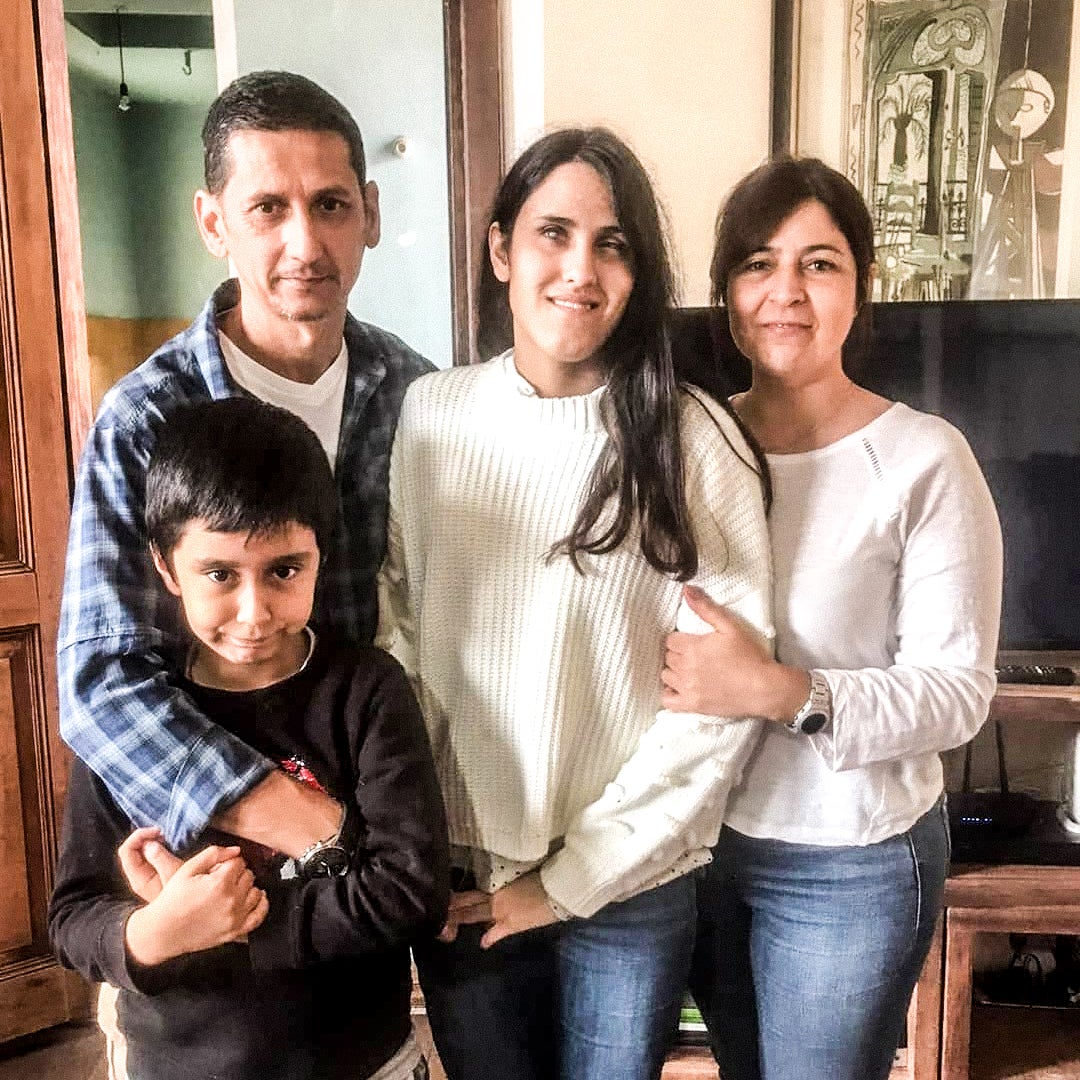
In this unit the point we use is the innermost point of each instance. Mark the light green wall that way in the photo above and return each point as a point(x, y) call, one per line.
point(384, 60)
point(136, 174)
point(104, 221)
point(175, 272)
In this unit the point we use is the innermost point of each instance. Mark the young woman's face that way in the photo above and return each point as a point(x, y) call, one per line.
point(567, 266)
point(792, 303)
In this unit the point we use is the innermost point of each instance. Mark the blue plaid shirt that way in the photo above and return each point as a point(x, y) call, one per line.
point(163, 761)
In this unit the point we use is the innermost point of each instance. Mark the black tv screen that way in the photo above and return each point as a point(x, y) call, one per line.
point(1007, 374)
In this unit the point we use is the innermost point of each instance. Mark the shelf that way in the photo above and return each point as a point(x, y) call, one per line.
point(1025, 701)
point(1019, 701)
point(1012, 1042)
point(691, 1062)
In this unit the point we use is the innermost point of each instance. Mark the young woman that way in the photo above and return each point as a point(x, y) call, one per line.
point(545, 507)
point(817, 912)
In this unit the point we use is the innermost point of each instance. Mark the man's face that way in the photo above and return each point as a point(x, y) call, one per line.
point(295, 221)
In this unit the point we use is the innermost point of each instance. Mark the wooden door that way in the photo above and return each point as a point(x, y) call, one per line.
point(34, 498)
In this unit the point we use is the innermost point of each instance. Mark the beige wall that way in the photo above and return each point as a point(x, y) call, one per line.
point(686, 82)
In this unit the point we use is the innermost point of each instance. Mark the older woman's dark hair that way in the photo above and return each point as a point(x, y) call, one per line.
point(762, 200)
point(641, 467)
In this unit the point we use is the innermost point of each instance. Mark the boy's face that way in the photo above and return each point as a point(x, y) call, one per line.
point(246, 599)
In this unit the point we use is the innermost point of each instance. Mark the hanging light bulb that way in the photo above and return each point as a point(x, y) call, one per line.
point(125, 99)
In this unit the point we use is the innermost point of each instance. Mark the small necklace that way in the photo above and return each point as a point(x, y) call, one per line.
point(194, 651)
point(777, 434)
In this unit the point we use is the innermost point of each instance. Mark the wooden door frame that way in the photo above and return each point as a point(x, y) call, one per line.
point(34, 991)
point(65, 214)
point(474, 146)
point(474, 128)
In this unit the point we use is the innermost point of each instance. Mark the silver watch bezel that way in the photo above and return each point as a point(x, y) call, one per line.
point(816, 711)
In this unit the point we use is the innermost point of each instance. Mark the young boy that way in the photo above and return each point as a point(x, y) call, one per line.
point(240, 963)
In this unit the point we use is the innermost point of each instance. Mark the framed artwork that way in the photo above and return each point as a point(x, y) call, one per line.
point(958, 120)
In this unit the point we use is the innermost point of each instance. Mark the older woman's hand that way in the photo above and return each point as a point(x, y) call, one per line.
point(727, 672)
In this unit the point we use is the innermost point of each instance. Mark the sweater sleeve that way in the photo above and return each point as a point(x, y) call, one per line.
point(398, 886)
point(669, 798)
point(937, 691)
point(91, 900)
point(88, 908)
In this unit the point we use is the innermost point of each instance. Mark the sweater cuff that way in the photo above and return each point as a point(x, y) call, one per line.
point(557, 909)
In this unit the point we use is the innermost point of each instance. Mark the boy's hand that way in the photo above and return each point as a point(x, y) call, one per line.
point(210, 900)
point(147, 863)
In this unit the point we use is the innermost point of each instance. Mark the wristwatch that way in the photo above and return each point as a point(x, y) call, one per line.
point(816, 711)
point(326, 858)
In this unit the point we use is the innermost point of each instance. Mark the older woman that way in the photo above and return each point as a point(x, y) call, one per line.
point(818, 909)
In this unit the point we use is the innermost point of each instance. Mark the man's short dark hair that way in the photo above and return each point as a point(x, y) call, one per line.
point(238, 465)
point(273, 101)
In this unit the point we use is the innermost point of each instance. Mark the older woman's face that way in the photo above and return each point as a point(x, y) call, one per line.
point(792, 303)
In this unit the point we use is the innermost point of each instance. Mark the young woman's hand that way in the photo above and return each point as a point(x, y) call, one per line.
point(472, 906)
point(211, 899)
point(521, 905)
point(146, 862)
point(727, 672)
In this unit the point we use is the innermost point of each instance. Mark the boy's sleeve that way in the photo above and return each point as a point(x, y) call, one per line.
point(163, 761)
point(91, 901)
point(88, 907)
point(398, 886)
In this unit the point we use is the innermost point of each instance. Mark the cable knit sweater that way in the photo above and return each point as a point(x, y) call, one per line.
point(540, 685)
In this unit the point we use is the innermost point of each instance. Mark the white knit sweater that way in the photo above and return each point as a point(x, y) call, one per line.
point(541, 685)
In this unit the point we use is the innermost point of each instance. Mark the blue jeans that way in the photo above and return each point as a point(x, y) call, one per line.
point(588, 999)
point(806, 956)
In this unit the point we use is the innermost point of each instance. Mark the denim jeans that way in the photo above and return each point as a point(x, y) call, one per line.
point(588, 999)
point(806, 956)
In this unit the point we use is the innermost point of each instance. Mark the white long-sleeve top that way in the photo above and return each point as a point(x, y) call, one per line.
point(887, 555)
point(541, 685)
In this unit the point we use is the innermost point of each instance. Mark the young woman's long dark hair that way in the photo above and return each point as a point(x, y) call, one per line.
point(641, 467)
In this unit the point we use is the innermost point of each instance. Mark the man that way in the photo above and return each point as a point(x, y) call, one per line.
point(287, 200)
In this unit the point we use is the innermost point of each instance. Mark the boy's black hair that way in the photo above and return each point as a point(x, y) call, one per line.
point(237, 465)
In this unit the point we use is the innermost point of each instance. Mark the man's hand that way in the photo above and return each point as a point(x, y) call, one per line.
point(521, 905)
point(281, 814)
point(727, 672)
point(147, 863)
point(211, 899)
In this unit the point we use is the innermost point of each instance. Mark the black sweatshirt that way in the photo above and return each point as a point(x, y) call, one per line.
point(322, 988)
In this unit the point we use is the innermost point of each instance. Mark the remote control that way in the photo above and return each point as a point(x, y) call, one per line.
point(1037, 674)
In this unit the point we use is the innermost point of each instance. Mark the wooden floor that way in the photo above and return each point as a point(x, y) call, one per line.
point(1008, 1044)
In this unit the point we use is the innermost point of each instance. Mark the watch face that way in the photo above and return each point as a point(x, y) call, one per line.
point(813, 723)
point(328, 862)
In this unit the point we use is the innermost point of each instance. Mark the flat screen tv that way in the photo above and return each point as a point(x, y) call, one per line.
point(1007, 374)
